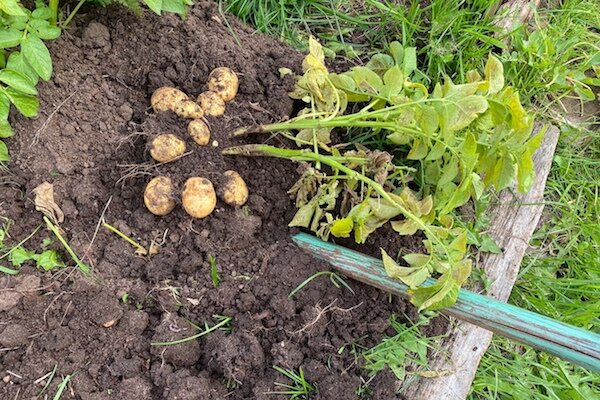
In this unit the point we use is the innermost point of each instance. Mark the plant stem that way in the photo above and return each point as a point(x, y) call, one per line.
point(72, 14)
point(53, 5)
point(304, 155)
point(140, 249)
point(82, 266)
point(213, 328)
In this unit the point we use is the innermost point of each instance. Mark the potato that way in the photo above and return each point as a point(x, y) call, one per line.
point(188, 109)
point(235, 191)
point(166, 147)
point(158, 196)
point(212, 104)
point(199, 131)
point(166, 98)
point(223, 82)
point(198, 197)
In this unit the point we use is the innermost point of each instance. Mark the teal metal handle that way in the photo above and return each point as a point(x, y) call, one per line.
point(568, 342)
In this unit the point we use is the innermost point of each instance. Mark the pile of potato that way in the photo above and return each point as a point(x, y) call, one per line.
point(198, 196)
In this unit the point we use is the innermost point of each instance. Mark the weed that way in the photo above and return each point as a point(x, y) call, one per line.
point(214, 272)
point(299, 388)
point(18, 255)
point(336, 279)
point(139, 249)
point(407, 347)
point(83, 267)
point(62, 387)
point(223, 323)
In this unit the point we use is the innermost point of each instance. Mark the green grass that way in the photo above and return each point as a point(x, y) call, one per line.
point(561, 276)
point(298, 388)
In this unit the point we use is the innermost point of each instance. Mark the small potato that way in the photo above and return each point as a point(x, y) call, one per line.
point(166, 98)
point(198, 197)
point(235, 191)
point(224, 82)
point(212, 104)
point(188, 109)
point(158, 196)
point(166, 147)
point(199, 131)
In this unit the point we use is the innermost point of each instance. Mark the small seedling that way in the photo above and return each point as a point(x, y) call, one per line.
point(62, 387)
point(224, 323)
point(18, 255)
point(83, 267)
point(300, 388)
point(49, 377)
point(335, 278)
point(214, 273)
point(125, 298)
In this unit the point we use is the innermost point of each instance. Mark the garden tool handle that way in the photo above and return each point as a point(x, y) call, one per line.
point(565, 341)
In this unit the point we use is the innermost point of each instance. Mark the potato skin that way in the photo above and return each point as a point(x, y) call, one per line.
point(198, 197)
point(158, 196)
point(212, 104)
point(166, 98)
point(188, 109)
point(224, 82)
point(235, 190)
point(166, 147)
point(199, 131)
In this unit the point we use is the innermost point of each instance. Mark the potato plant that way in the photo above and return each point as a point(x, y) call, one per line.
point(25, 59)
point(444, 146)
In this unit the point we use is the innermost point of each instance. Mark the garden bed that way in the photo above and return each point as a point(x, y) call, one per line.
point(90, 142)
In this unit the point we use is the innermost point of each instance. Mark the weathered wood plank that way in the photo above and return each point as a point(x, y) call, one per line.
point(514, 221)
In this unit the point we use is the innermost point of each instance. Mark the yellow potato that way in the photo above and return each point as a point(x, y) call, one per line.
point(198, 197)
point(235, 191)
point(166, 98)
point(199, 131)
point(166, 147)
point(224, 82)
point(158, 196)
point(188, 109)
point(212, 104)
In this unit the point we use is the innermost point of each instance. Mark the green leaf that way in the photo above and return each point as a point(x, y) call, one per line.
point(494, 74)
point(4, 107)
point(366, 80)
point(428, 120)
point(342, 227)
point(43, 13)
point(20, 255)
point(380, 63)
point(410, 60)
point(397, 52)
point(4, 156)
point(464, 111)
point(5, 130)
point(405, 227)
point(37, 55)
point(48, 260)
point(393, 80)
point(17, 62)
point(488, 245)
point(440, 295)
point(27, 105)
point(449, 172)
point(175, 6)
point(8, 271)
point(17, 81)
point(48, 32)
point(154, 5)
point(504, 172)
point(9, 37)
point(11, 7)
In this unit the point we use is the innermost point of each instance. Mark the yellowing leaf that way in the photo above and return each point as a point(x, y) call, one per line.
point(303, 216)
point(412, 277)
point(418, 150)
point(440, 295)
point(494, 74)
point(342, 227)
point(406, 227)
point(525, 171)
point(417, 260)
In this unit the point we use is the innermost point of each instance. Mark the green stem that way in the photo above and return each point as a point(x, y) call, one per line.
point(304, 155)
point(213, 328)
point(53, 5)
point(82, 266)
point(70, 17)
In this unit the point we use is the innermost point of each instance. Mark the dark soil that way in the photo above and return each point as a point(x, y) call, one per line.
point(90, 143)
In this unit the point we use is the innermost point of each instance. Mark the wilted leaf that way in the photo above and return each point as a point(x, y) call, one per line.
point(410, 276)
point(303, 216)
point(44, 202)
point(405, 227)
